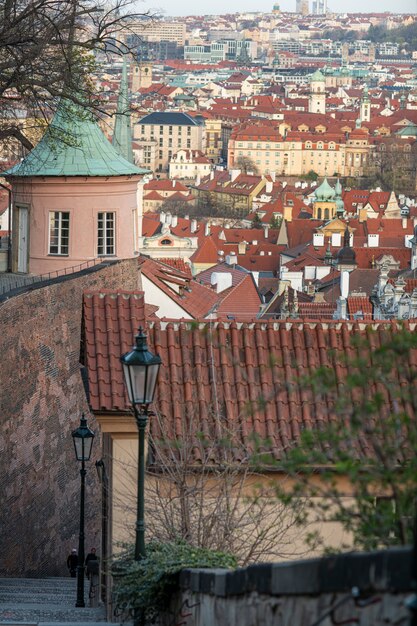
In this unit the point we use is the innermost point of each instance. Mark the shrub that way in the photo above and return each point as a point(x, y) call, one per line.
point(148, 584)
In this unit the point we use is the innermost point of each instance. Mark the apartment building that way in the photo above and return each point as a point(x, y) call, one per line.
point(298, 153)
point(160, 135)
point(150, 30)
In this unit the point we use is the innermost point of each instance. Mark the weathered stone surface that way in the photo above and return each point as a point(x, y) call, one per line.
point(41, 400)
point(301, 593)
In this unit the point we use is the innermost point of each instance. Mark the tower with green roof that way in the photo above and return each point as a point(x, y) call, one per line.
point(317, 97)
point(74, 197)
point(365, 110)
point(324, 203)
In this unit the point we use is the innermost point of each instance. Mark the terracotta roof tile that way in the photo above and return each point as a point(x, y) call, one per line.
point(241, 302)
point(359, 306)
point(248, 374)
point(111, 320)
point(195, 299)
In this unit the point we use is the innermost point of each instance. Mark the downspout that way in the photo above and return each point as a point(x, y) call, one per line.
point(9, 246)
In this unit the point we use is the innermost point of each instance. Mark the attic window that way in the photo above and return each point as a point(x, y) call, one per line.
point(166, 242)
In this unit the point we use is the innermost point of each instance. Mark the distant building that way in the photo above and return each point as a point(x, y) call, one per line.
point(161, 135)
point(189, 165)
point(151, 30)
point(317, 98)
point(302, 7)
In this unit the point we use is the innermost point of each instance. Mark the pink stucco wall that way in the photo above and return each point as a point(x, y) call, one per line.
point(83, 198)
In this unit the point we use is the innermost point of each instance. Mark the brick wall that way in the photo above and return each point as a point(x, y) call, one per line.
point(41, 400)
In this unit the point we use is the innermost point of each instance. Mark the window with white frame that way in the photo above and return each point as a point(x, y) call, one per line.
point(106, 233)
point(59, 232)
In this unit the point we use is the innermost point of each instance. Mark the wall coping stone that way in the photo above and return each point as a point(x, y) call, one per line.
point(382, 570)
point(62, 278)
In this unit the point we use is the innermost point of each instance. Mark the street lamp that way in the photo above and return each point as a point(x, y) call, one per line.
point(140, 370)
point(83, 443)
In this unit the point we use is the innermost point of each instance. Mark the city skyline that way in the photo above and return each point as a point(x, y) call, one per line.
point(217, 7)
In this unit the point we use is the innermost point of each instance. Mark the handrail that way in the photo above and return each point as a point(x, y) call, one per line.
point(17, 281)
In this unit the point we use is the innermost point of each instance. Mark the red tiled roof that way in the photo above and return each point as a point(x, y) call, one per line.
point(165, 185)
point(195, 299)
point(111, 320)
point(360, 304)
point(208, 252)
point(365, 256)
point(249, 375)
point(241, 302)
point(179, 264)
point(237, 275)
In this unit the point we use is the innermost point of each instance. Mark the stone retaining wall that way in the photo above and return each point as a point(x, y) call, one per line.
point(366, 589)
point(42, 397)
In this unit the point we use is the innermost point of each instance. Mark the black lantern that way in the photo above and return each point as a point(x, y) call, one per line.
point(140, 369)
point(83, 440)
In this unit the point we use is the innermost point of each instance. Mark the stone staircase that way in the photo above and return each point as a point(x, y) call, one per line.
point(46, 602)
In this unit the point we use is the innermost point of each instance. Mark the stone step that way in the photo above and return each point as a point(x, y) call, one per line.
point(30, 602)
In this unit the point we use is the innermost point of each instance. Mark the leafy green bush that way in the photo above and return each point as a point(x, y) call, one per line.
point(148, 584)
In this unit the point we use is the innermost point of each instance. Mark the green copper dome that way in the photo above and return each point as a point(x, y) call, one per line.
point(325, 193)
point(317, 77)
point(74, 145)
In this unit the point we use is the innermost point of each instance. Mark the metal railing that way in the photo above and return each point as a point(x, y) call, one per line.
point(10, 282)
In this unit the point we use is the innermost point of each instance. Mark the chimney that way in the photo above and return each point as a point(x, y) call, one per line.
point(404, 222)
point(174, 221)
point(268, 187)
point(207, 229)
point(231, 259)
point(222, 280)
point(363, 215)
point(168, 218)
point(241, 247)
point(288, 213)
point(373, 241)
point(341, 310)
point(198, 179)
point(344, 284)
point(193, 226)
point(174, 182)
point(233, 175)
point(162, 217)
point(318, 239)
point(272, 175)
point(212, 175)
point(266, 231)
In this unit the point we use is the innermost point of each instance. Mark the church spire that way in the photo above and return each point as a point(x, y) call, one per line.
point(122, 134)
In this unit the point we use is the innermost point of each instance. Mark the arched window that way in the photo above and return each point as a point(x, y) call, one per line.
point(319, 214)
point(326, 214)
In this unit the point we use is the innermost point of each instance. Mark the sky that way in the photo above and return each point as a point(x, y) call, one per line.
point(207, 7)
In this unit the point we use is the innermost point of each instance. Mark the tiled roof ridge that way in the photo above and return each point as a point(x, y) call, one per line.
point(288, 323)
point(135, 293)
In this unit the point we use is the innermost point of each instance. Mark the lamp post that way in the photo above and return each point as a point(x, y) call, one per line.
point(140, 369)
point(83, 443)
point(104, 481)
